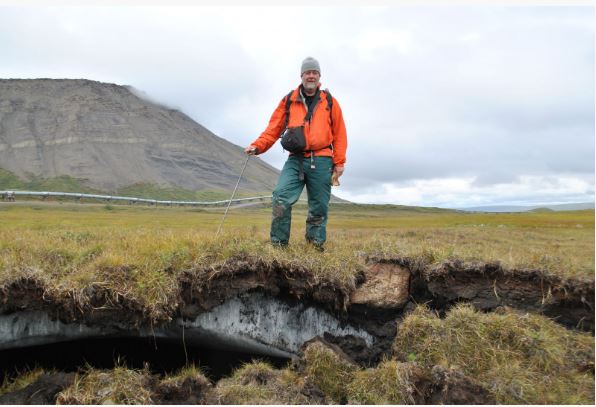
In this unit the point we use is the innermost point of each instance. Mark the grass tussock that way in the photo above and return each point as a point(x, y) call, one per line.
point(187, 372)
point(21, 380)
point(521, 358)
point(187, 386)
point(117, 386)
point(329, 371)
point(259, 383)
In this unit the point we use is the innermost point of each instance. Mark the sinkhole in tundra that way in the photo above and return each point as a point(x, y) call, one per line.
point(255, 315)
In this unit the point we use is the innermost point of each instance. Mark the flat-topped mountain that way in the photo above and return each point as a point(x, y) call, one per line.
point(108, 137)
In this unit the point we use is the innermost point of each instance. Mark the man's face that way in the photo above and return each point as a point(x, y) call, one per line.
point(310, 80)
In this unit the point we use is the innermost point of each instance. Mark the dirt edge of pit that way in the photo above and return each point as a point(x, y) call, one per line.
point(403, 282)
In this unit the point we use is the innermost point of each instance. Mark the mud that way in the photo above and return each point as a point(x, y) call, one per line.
point(488, 286)
point(380, 323)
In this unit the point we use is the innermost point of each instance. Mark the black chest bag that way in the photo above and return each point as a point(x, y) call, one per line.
point(293, 139)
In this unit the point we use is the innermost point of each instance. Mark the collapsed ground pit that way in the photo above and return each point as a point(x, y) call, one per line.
point(162, 356)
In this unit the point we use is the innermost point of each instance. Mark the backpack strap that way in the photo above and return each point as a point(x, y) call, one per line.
point(329, 104)
point(329, 99)
point(312, 107)
point(329, 107)
point(288, 103)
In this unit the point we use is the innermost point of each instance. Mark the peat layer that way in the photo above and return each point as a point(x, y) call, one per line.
point(250, 306)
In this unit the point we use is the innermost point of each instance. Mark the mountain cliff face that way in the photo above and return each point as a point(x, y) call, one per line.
point(110, 138)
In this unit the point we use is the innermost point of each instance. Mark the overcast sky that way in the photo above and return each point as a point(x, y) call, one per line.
point(449, 106)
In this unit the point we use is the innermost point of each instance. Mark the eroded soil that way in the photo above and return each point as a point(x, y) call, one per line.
point(376, 300)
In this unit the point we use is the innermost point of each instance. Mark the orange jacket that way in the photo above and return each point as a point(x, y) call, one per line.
point(318, 133)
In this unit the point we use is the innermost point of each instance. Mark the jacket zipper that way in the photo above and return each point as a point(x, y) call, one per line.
point(306, 109)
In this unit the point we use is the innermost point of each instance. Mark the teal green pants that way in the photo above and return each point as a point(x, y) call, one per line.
point(288, 190)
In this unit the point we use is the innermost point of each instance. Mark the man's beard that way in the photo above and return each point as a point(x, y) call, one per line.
point(310, 85)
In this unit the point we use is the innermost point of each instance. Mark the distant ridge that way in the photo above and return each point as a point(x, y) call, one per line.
point(108, 138)
point(520, 208)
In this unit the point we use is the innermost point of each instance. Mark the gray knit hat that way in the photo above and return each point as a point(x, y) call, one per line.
point(310, 64)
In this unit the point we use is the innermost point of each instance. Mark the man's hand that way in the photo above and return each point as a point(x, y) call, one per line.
point(338, 170)
point(251, 150)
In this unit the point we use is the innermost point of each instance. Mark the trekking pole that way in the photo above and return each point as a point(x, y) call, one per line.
point(233, 193)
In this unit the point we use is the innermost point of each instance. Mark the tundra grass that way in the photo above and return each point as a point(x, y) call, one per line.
point(124, 385)
point(328, 371)
point(259, 383)
point(559, 242)
point(138, 252)
point(188, 384)
point(520, 358)
point(21, 380)
point(388, 383)
point(120, 385)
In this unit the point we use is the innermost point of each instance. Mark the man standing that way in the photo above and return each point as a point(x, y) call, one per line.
point(314, 118)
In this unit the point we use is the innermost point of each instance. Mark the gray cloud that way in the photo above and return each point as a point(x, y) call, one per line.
point(485, 93)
